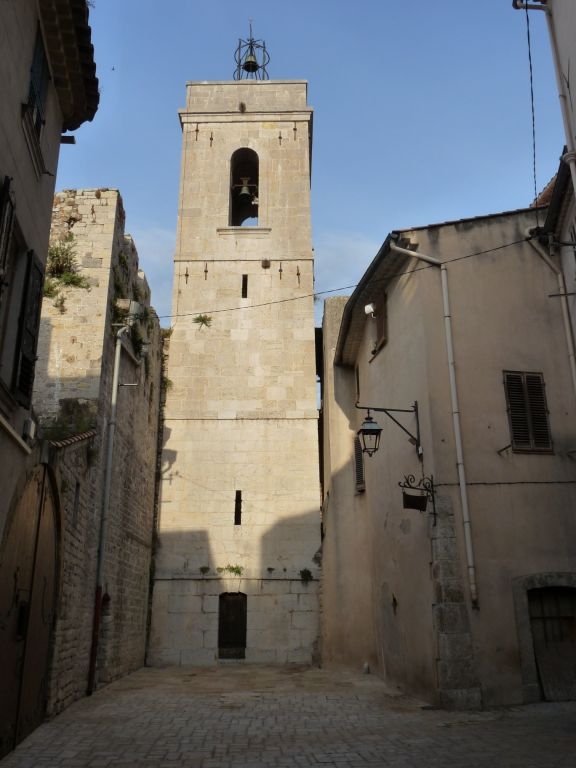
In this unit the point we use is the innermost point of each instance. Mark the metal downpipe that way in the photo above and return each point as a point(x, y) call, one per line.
point(466, 522)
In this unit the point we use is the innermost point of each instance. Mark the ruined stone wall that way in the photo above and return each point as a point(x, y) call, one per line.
point(76, 364)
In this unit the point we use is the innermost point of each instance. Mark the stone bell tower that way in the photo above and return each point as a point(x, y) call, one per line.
point(239, 521)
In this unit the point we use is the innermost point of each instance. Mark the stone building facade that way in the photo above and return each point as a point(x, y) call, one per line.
point(72, 399)
point(472, 600)
point(239, 522)
point(48, 84)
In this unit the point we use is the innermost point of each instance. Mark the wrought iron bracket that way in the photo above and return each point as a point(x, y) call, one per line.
point(425, 488)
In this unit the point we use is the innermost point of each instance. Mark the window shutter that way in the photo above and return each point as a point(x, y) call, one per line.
point(538, 412)
point(517, 410)
point(28, 335)
point(6, 220)
point(359, 466)
point(527, 411)
point(39, 79)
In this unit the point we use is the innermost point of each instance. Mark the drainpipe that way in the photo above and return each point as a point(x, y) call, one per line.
point(570, 156)
point(98, 600)
point(563, 301)
point(471, 567)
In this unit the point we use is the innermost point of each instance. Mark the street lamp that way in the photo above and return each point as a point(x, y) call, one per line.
point(370, 431)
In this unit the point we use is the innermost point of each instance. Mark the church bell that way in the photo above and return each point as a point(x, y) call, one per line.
point(250, 63)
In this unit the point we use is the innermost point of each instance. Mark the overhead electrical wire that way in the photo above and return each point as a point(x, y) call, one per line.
point(345, 287)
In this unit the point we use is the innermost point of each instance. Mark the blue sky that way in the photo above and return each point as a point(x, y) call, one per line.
point(421, 113)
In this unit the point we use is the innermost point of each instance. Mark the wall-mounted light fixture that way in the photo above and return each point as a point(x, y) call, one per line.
point(370, 431)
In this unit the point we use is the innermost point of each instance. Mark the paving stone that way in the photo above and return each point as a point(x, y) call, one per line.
point(288, 717)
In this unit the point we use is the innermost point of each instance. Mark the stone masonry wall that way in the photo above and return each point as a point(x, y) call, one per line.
point(74, 387)
point(458, 686)
point(76, 476)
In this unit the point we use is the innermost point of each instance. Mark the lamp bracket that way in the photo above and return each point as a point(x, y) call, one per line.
point(426, 488)
point(415, 439)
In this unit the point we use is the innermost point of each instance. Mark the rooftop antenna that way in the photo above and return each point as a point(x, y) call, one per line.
point(251, 59)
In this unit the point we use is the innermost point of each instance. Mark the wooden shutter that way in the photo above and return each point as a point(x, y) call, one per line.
point(28, 332)
point(39, 79)
point(359, 466)
point(527, 411)
point(6, 220)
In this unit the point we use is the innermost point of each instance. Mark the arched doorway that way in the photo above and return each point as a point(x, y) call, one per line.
point(28, 570)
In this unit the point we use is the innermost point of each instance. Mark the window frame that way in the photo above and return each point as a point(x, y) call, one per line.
point(528, 414)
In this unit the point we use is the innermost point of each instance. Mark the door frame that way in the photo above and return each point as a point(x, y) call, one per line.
point(531, 688)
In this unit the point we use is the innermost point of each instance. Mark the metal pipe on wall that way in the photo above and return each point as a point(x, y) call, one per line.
point(466, 522)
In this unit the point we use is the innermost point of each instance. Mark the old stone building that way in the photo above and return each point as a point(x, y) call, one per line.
point(239, 521)
point(461, 589)
point(85, 338)
point(48, 85)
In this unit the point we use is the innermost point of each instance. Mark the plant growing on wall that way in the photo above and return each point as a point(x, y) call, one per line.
point(236, 570)
point(62, 265)
point(202, 321)
point(62, 271)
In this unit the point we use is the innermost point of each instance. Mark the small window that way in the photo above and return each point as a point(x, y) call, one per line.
point(527, 411)
point(238, 508)
point(244, 286)
point(359, 466)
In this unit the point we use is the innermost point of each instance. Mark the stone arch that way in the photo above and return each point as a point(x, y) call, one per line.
point(244, 184)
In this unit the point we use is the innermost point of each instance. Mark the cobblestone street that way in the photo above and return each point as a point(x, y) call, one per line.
point(236, 715)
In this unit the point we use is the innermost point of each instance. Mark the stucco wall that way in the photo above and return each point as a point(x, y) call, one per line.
point(520, 503)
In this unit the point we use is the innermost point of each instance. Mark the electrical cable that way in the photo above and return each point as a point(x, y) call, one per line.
point(348, 287)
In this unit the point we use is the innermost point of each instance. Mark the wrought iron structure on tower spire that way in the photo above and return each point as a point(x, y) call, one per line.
point(251, 59)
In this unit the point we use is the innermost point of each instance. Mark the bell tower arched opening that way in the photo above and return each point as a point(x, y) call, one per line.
point(244, 188)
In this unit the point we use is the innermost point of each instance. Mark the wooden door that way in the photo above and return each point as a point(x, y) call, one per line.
point(27, 596)
point(232, 625)
point(553, 623)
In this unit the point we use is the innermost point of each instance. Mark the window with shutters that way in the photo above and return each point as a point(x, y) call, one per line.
point(359, 466)
point(6, 222)
point(38, 88)
point(34, 108)
point(527, 411)
point(20, 304)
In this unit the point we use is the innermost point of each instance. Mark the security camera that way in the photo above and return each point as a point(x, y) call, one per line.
point(370, 309)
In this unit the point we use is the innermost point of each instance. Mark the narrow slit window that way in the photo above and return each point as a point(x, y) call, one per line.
point(244, 286)
point(238, 508)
